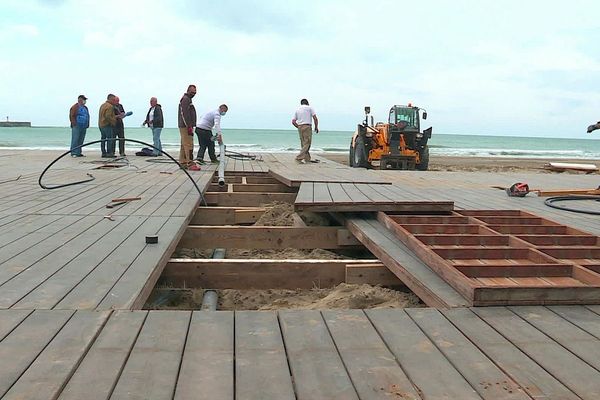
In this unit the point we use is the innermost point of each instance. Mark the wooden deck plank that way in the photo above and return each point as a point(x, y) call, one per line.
point(10, 319)
point(534, 379)
point(582, 344)
point(99, 371)
point(135, 285)
point(93, 288)
point(22, 227)
point(52, 290)
point(34, 246)
point(573, 372)
point(305, 193)
point(153, 366)
point(261, 367)
point(321, 193)
point(314, 361)
point(417, 354)
point(24, 344)
point(208, 359)
point(583, 317)
point(371, 366)
point(481, 373)
point(57, 362)
point(17, 287)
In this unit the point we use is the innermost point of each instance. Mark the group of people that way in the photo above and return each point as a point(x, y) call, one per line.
point(110, 122)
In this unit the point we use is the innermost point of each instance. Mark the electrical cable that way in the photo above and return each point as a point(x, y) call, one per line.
point(550, 202)
point(91, 177)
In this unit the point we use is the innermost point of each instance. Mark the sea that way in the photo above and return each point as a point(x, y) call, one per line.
point(250, 141)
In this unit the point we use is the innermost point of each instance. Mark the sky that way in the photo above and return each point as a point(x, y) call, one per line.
point(516, 68)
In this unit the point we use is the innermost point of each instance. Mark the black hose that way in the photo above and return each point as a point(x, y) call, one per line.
point(91, 177)
point(551, 200)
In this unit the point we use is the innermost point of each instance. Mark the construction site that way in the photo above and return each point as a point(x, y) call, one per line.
point(280, 280)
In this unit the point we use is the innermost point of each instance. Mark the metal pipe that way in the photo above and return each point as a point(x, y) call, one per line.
point(222, 162)
point(218, 253)
point(210, 300)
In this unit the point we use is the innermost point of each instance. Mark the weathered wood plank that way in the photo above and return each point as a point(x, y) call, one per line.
point(10, 319)
point(481, 373)
point(417, 354)
point(371, 366)
point(99, 371)
point(314, 361)
point(152, 368)
point(261, 367)
point(24, 344)
point(573, 372)
point(534, 379)
point(46, 376)
point(207, 366)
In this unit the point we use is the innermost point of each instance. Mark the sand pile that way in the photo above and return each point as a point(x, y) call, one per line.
point(343, 296)
point(277, 214)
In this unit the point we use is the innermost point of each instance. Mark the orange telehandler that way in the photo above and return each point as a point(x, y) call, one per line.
point(397, 144)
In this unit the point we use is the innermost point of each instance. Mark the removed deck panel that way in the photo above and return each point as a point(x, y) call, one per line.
point(359, 197)
point(506, 257)
point(414, 273)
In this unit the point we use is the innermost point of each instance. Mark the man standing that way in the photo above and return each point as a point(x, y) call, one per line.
point(106, 122)
point(154, 120)
point(209, 122)
point(119, 129)
point(80, 121)
point(186, 122)
point(302, 120)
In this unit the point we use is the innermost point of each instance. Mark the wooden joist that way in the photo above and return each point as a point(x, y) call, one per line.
point(266, 237)
point(227, 215)
point(256, 273)
point(247, 199)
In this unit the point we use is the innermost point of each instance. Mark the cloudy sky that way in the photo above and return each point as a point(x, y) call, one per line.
point(478, 67)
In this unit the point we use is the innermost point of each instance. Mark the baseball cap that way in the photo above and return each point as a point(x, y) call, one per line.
point(82, 97)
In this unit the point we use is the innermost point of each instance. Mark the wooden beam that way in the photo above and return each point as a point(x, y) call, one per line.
point(266, 237)
point(247, 199)
point(227, 215)
point(255, 273)
point(372, 274)
point(254, 187)
point(298, 221)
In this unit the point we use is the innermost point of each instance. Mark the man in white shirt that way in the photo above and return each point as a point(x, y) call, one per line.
point(302, 120)
point(209, 123)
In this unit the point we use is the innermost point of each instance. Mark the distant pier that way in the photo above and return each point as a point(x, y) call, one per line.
point(15, 124)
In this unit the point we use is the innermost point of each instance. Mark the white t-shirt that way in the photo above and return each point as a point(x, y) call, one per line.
point(151, 117)
point(210, 120)
point(304, 114)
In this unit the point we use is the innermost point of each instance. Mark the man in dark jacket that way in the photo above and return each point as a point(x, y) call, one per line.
point(154, 120)
point(186, 122)
point(79, 116)
point(119, 128)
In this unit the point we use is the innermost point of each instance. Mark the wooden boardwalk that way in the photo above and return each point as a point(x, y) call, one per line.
point(58, 249)
point(490, 353)
point(72, 283)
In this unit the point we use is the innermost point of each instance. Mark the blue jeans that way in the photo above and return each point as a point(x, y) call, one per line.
point(156, 140)
point(107, 146)
point(77, 139)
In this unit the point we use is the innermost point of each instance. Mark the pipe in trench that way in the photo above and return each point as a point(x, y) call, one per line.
point(210, 299)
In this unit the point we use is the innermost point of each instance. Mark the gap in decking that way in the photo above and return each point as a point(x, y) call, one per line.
point(274, 257)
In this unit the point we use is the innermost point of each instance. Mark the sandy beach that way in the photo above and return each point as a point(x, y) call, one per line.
point(482, 164)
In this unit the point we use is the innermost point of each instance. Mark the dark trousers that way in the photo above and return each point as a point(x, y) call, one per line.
point(119, 132)
point(206, 142)
point(108, 141)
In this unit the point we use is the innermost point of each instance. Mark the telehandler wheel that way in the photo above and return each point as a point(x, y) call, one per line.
point(424, 157)
point(360, 153)
point(351, 155)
